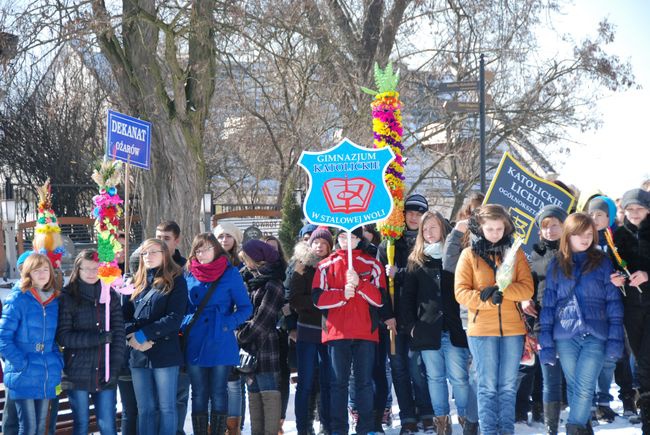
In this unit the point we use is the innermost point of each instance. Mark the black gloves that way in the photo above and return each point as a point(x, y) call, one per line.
point(105, 337)
point(497, 298)
point(487, 292)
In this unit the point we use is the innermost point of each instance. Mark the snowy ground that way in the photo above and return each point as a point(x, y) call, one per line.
point(620, 427)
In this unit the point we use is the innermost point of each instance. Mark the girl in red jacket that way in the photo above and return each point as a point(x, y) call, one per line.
point(349, 298)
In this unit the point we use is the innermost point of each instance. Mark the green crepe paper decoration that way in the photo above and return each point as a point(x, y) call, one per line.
point(105, 250)
point(386, 80)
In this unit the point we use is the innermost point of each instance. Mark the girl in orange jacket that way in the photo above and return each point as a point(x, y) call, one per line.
point(495, 327)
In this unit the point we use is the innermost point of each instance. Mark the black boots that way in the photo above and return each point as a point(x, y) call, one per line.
point(551, 417)
point(200, 423)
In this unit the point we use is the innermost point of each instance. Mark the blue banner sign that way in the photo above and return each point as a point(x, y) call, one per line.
point(524, 194)
point(128, 139)
point(347, 188)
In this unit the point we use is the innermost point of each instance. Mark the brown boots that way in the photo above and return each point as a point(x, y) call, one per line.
point(233, 426)
point(443, 424)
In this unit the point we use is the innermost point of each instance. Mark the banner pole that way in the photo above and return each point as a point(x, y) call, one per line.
point(126, 218)
point(350, 250)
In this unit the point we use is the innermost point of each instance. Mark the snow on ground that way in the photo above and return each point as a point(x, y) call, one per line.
point(620, 427)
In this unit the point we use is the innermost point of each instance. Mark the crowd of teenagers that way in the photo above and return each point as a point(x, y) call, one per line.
point(448, 323)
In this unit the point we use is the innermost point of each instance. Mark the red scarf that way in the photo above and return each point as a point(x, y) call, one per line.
point(211, 271)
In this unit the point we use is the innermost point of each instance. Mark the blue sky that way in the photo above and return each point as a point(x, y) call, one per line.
point(616, 157)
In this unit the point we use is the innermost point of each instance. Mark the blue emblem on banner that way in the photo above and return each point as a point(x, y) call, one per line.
point(346, 185)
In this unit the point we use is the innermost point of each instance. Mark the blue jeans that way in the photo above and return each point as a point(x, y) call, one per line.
point(449, 362)
point(235, 388)
point(155, 389)
point(9, 417)
point(552, 382)
point(497, 366)
point(312, 358)
point(582, 359)
point(209, 384)
point(104, 402)
point(265, 381)
point(182, 397)
point(343, 354)
point(32, 416)
point(129, 407)
point(409, 382)
point(471, 412)
point(602, 396)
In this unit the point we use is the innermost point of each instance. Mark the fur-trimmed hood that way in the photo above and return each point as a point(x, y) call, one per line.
point(303, 253)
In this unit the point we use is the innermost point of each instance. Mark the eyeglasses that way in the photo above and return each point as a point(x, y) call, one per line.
point(89, 270)
point(204, 250)
point(146, 253)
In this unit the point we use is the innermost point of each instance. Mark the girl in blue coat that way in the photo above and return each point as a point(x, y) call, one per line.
point(582, 316)
point(27, 330)
point(212, 348)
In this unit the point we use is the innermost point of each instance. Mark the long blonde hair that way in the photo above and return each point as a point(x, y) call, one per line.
point(167, 272)
point(417, 257)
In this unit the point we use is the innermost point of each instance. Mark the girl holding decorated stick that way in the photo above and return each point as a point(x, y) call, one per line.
point(582, 316)
point(496, 329)
point(83, 334)
point(632, 240)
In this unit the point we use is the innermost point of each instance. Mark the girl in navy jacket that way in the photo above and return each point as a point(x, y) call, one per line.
point(27, 330)
point(153, 317)
point(582, 316)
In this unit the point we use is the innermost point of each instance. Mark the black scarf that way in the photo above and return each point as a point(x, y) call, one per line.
point(268, 272)
point(490, 252)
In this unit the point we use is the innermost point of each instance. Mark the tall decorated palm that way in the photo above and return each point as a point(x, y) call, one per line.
point(387, 132)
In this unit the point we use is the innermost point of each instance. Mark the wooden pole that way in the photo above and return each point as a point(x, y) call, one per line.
point(126, 219)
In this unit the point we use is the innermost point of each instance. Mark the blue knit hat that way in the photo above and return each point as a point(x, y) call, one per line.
point(22, 258)
point(260, 251)
point(307, 229)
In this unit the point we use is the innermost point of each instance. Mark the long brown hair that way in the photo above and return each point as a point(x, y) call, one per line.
point(73, 284)
point(417, 256)
point(474, 201)
point(494, 212)
point(33, 262)
point(167, 272)
point(575, 225)
point(205, 239)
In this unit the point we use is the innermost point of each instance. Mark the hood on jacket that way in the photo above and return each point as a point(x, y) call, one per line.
point(303, 253)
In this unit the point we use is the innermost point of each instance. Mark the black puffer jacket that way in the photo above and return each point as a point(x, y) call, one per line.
point(81, 321)
point(543, 253)
point(429, 307)
point(634, 247)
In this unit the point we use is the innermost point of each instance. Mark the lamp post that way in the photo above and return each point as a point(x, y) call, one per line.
point(206, 208)
point(8, 206)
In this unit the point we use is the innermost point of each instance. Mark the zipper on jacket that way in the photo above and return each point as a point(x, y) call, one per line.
point(99, 348)
point(500, 324)
point(475, 316)
point(43, 350)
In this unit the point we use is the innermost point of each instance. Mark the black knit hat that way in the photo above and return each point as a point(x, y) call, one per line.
point(635, 196)
point(358, 231)
point(550, 211)
point(416, 202)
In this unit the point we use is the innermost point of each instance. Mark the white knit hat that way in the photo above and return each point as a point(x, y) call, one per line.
point(228, 228)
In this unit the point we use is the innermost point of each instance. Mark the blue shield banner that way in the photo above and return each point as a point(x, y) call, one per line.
point(524, 194)
point(128, 139)
point(346, 185)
